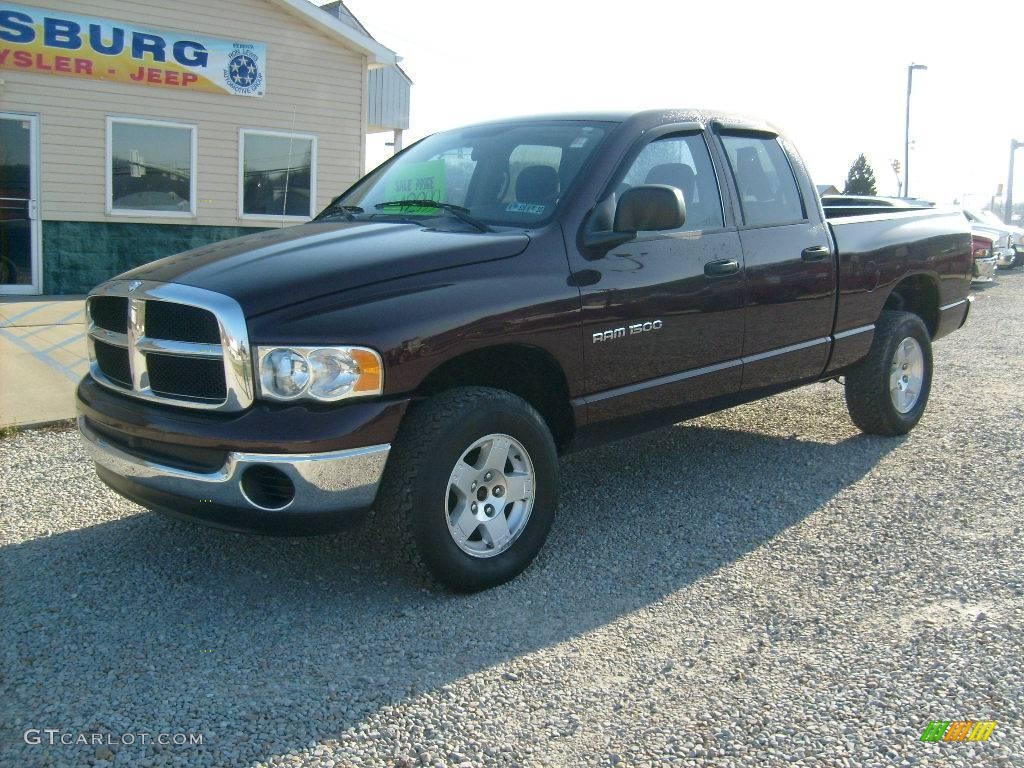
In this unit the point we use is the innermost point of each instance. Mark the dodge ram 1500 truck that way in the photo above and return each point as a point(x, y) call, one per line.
point(493, 296)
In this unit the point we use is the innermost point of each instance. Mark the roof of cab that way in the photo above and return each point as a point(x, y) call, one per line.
point(651, 116)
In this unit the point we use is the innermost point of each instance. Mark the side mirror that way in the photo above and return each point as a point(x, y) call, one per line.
point(650, 208)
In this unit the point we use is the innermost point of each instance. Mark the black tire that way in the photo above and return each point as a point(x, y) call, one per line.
point(867, 384)
point(431, 440)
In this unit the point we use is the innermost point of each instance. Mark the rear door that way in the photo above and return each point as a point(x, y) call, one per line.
point(790, 271)
point(661, 326)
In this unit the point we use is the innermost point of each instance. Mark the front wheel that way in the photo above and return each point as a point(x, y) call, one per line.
point(473, 483)
point(887, 391)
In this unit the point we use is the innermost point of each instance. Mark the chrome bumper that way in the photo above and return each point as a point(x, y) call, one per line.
point(336, 482)
point(984, 268)
point(1005, 256)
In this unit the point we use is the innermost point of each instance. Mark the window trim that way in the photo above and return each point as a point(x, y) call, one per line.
point(659, 133)
point(768, 136)
point(313, 208)
point(193, 129)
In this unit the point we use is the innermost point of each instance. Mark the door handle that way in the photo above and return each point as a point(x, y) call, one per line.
point(815, 253)
point(721, 268)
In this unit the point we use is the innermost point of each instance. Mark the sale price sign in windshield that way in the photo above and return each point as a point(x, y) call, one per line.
point(61, 43)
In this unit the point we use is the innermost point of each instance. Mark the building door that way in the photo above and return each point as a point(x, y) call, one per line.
point(20, 267)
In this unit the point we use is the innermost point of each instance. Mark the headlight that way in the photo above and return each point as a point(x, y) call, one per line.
point(318, 373)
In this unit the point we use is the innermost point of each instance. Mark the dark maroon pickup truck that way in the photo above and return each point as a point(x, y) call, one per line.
point(489, 298)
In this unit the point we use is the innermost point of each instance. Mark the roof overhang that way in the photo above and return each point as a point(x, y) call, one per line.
point(377, 55)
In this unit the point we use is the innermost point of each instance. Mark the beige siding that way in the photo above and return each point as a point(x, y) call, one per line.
point(314, 82)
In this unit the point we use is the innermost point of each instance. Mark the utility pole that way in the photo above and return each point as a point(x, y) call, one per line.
point(906, 138)
point(1014, 144)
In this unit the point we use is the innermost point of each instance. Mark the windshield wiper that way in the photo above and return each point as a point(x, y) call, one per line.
point(455, 210)
point(335, 207)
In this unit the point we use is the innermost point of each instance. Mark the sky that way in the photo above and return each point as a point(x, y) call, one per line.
point(832, 76)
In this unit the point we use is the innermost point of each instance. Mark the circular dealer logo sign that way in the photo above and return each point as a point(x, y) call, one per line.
point(243, 74)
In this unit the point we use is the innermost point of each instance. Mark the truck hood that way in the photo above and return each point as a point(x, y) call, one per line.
point(273, 269)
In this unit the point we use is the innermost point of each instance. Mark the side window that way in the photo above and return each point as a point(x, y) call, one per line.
point(681, 161)
point(764, 179)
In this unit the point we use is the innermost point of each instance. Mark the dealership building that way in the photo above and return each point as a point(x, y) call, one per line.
point(131, 131)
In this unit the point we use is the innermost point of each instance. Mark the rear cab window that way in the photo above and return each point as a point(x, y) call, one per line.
point(764, 179)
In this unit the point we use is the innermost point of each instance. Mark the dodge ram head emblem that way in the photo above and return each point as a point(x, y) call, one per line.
point(627, 330)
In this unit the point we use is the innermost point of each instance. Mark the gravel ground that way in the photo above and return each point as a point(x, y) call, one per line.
point(762, 586)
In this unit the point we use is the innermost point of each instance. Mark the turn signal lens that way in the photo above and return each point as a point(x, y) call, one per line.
point(319, 373)
point(371, 378)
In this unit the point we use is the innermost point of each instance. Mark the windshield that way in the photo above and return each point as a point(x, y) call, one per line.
point(511, 174)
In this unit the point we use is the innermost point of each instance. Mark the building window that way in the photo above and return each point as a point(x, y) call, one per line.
point(277, 175)
point(151, 167)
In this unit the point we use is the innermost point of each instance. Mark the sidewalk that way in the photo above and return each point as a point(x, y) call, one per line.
point(42, 357)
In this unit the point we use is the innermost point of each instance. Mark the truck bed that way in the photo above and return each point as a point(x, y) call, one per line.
point(877, 250)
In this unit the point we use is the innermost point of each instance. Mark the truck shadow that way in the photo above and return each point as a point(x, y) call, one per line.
point(308, 637)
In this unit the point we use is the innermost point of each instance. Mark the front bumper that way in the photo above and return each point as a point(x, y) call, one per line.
point(309, 493)
point(984, 269)
point(1004, 256)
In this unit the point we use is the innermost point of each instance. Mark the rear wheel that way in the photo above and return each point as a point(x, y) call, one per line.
point(473, 483)
point(887, 392)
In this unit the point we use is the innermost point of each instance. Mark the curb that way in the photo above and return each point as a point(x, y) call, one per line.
point(37, 426)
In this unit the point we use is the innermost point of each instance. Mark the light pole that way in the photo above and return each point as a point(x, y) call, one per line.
point(1014, 144)
point(906, 139)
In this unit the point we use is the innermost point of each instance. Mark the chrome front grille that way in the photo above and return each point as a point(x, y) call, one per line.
point(170, 343)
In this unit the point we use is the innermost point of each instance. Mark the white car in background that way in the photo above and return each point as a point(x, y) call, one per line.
point(984, 262)
point(1007, 241)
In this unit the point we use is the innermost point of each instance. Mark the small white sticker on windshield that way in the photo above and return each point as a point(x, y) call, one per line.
point(525, 208)
point(579, 142)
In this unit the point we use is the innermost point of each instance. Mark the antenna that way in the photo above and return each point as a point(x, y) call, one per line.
point(288, 170)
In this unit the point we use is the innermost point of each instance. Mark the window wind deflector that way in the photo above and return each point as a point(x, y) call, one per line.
point(455, 210)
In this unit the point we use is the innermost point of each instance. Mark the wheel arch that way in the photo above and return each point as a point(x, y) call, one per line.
point(918, 294)
point(529, 372)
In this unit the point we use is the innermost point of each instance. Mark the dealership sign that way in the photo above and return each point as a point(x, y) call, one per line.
point(59, 43)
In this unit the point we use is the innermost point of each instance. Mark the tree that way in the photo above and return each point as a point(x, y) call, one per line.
point(861, 179)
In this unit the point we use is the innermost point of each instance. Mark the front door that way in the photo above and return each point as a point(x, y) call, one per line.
point(663, 313)
point(19, 217)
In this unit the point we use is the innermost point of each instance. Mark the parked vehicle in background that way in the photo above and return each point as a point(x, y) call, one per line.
point(984, 258)
point(1007, 245)
point(490, 297)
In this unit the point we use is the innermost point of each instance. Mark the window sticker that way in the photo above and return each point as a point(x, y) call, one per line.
point(579, 142)
point(525, 208)
point(417, 181)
